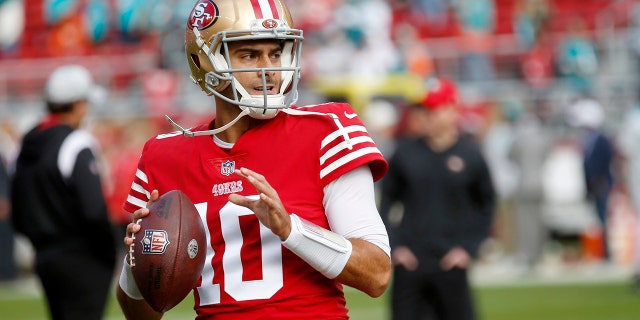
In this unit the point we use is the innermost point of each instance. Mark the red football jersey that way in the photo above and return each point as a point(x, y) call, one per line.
point(248, 273)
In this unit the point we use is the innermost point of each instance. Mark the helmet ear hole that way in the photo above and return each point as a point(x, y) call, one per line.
point(196, 60)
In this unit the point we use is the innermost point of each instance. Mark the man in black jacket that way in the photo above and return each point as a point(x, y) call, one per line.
point(8, 270)
point(444, 185)
point(58, 202)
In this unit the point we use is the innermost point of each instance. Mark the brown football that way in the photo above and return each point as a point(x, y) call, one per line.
point(169, 251)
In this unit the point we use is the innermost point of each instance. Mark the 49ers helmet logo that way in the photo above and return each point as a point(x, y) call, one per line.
point(270, 24)
point(203, 15)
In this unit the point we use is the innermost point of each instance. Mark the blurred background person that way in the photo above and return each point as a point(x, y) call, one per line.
point(58, 202)
point(529, 18)
point(577, 57)
point(532, 142)
point(476, 19)
point(381, 119)
point(628, 142)
point(587, 115)
point(496, 144)
point(8, 270)
point(444, 185)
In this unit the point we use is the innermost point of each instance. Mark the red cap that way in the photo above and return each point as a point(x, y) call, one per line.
point(440, 92)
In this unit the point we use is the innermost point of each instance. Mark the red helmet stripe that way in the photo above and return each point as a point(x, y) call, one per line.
point(256, 8)
point(265, 9)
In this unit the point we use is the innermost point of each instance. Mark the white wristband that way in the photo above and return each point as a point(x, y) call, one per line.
point(128, 283)
point(326, 251)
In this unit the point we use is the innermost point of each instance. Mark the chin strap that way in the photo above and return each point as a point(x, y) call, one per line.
point(294, 112)
point(190, 134)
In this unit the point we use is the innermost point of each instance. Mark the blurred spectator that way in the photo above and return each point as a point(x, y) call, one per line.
point(477, 21)
point(537, 64)
point(444, 185)
point(381, 119)
point(96, 23)
point(577, 58)
point(435, 13)
point(132, 18)
point(588, 116)
point(532, 142)
point(8, 270)
point(416, 58)
point(313, 15)
point(67, 35)
point(496, 145)
point(356, 42)
point(628, 138)
point(12, 20)
point(634, 37)
point(530, 18)
point(58, 201)
point(567, 214)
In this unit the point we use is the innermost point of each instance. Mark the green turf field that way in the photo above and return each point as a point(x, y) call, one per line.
point(601, 301)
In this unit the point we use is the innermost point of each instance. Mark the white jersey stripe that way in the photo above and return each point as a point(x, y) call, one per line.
point(349, 157)
point(142, 176)
point(136, 202)
point(137, 187)
point(342, 146)
point(169, 135)
point(338, 133)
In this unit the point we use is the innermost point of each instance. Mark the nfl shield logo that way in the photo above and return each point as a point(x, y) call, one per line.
point(154, 241)
point(228, 167)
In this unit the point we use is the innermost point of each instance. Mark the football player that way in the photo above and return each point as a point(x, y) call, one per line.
point(285, 192)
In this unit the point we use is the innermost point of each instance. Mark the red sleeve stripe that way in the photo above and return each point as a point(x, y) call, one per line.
point(347, 158)
point(342, 146)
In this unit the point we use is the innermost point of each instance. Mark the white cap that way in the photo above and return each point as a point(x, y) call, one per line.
point(70, 83)
point(380, 114)
point(586, 113)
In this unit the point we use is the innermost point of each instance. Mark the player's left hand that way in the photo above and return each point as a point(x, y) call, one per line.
point(268, 207)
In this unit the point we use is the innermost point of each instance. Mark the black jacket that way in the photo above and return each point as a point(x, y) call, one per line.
point(448, 199)
point(57, 194)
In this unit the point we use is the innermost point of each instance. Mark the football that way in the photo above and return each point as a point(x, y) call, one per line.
point(169, 251)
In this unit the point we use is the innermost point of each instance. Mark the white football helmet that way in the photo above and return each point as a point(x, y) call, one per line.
point(213, 24)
